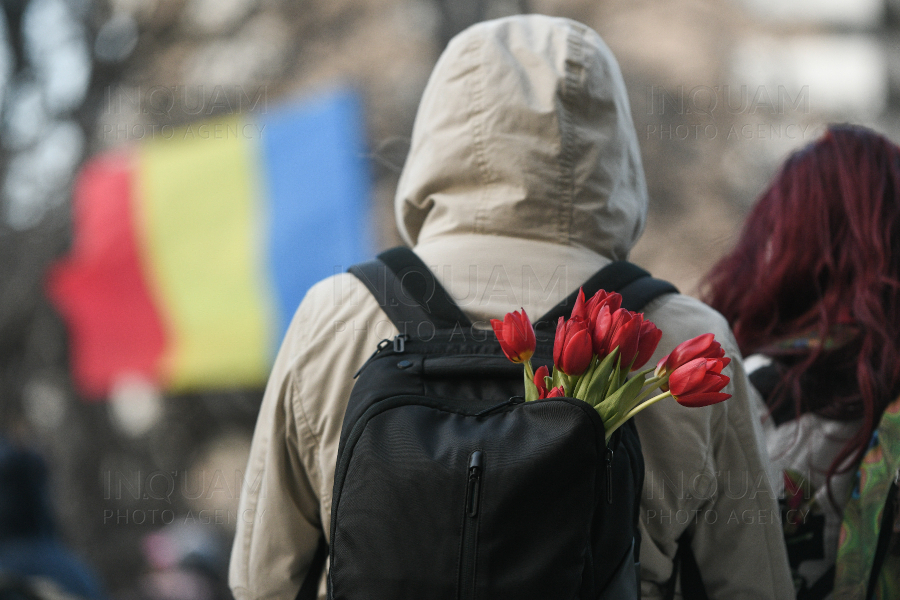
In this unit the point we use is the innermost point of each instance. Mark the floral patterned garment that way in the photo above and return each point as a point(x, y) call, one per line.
point(863, 514)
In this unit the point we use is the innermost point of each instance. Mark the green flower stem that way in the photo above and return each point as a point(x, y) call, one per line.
point(655, 382)
point(529, 370)
point(648, 387)
point(531, 391)
point(644, 405)
point(615, 423)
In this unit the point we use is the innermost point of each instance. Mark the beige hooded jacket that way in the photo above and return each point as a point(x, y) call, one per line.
point(523, 179)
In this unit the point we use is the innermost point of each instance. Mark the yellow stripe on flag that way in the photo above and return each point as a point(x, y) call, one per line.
point(200, 213)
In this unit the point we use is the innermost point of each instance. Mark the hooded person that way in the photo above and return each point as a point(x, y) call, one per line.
point(523, 179)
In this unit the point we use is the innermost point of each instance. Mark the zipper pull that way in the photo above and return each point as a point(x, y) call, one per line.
point(512, 401)
point(400, 343)
point(609, 457)
point(474, 483)
point(381, 346)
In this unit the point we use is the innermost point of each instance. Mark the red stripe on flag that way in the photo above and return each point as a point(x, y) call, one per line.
point(100, 288)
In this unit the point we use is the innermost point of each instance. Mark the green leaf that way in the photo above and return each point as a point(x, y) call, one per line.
point(607, 412)
point(619, 402)
point(585, 379)
point(556, 378)
point(617, 378)
point(567, 384)
point(595, 389)
point(639, 396)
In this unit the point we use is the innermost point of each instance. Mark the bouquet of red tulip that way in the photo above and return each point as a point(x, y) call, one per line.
point(596, 349)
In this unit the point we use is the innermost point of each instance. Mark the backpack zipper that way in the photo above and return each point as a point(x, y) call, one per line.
point(399, 343)
point(470, 527)
point(511, 402)
point(609, 457)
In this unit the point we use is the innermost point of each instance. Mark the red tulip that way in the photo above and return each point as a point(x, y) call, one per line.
point(541, 384)
point(602, 298)
point(601, 327)
point(650, 336)
point(516, 336)
point(625, 334)
point(572, 347)
point(702, 346)
point(579, 311)
point(539, 381)
point(586, 311)
point(556, 392)
point(636, 338)
point(699, 382)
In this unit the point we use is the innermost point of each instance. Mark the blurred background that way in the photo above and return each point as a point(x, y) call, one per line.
point(167, 168)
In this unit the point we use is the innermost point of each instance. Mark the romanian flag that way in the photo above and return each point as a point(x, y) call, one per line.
point(192, 250)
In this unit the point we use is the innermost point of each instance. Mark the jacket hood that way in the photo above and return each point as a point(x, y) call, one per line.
point(524, 131)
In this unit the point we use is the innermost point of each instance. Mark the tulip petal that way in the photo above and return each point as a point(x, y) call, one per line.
point(700, 400)
point(512, 332)
point(497, 324)
point(559, 341)
point(703, 345)
point(524, 332)
point(539, 375)
point(577, 353)
point(712, 382)
point(516, 336)
point(602, 298)
point(649, 340)
point(699, 382)
point(600, 331)
point(579, 311)
point(687, 377)
point(626, 335)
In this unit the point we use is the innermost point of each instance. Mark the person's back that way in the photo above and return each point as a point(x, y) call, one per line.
point(812, 290)
point(524, 178)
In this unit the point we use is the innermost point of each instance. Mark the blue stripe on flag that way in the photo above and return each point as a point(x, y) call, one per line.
point(316, 180)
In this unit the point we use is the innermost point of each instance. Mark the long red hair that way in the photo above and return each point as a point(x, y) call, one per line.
point(820, 251)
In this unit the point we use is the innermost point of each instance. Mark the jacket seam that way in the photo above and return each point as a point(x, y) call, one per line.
point(303, 416)
point(574, 57)
point(475, 115)
point(296, 401)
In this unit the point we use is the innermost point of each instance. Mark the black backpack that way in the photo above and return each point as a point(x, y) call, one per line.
point(449, 486)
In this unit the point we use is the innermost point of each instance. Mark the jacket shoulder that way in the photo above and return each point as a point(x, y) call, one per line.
point(339, 296)
point(686, 317)
point(338, 308)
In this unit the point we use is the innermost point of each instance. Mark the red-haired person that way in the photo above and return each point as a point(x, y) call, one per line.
point(812, 291)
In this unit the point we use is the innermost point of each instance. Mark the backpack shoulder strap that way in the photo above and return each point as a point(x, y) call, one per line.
point(635, 285)
point(408, 292)
point(411, 296)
